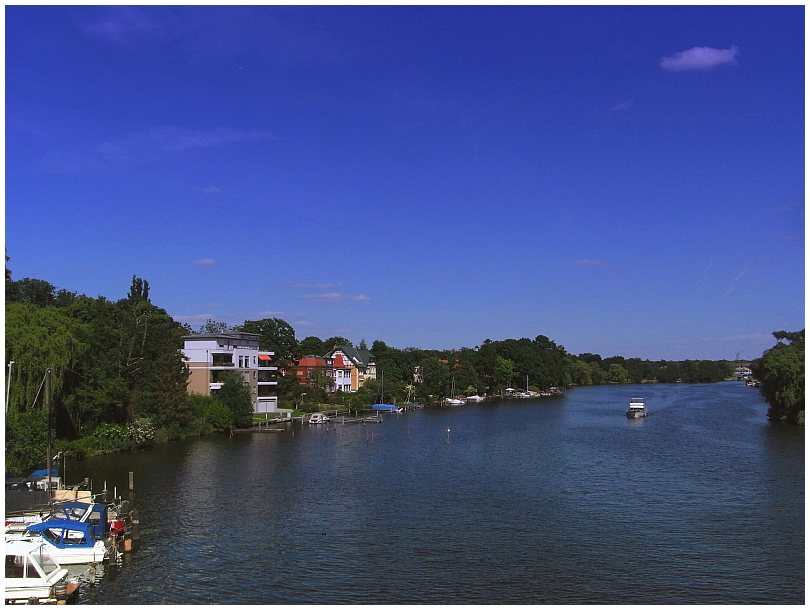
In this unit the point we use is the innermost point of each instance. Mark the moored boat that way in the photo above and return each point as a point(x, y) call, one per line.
point(637, 408)
point(68, 541)
point(33, 576)
point(454, 402)
point(318, 418)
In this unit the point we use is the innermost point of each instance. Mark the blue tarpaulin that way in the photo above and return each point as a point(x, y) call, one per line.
point(44, 472)
point(384, 407)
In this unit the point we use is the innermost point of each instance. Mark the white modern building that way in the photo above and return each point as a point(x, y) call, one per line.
point(210, 356)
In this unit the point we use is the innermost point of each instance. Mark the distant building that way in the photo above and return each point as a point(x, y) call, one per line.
point(315, 370)
point(210, 356)
point(352, 366)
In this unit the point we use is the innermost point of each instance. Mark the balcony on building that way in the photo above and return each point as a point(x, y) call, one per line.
point(222, 359)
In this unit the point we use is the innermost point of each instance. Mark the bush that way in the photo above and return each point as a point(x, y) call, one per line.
point(218, 416)
point(141, 432)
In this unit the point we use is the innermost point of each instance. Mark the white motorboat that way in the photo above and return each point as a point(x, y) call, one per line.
point(318, 418)
point(69, 541)
point(637, 408)
point(32, 574)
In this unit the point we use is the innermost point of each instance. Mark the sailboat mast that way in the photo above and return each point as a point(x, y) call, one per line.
point(48, 411)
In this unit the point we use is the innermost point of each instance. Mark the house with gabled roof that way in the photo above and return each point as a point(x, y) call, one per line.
point(353, 367)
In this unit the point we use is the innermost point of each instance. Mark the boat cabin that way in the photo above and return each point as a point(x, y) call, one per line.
point(31, 572)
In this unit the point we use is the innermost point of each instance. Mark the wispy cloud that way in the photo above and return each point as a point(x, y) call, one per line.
point(587, 262)
point(210, 189)
point(733, 285)
point(622, 105)
point(194, 317)
point(335, 297)
point(753, 337)
point(115, 24)
point(314, 285)
point(205, 262)
point(147, 146)
point(699, 58)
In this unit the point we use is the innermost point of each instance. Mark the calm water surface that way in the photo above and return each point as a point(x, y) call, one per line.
point(554, 501)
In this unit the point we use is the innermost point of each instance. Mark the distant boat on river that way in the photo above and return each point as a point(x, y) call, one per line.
point(637, 408)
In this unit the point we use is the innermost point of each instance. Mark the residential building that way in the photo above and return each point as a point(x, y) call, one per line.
point(210, 356)
point(315, 370)
point(353, 367)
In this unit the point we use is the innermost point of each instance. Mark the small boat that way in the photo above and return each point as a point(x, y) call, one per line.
point(33, 576)
point(68, 541)
point(386, 407)
point(637, 408)
point(454, 402)
point(93, 513)
point(474, 398)
point(318, 418)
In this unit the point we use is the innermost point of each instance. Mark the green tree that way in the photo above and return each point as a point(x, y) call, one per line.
point(504, 372)
point(150, 359)
point(780, 372)
point(218, 416)
point(37, 339)
point(311, 346)
point(582, 373)
point(333, 342)
point(235, 395)
point(617, 373)
point(212, 327)
point(275, 335)
point(435, 378)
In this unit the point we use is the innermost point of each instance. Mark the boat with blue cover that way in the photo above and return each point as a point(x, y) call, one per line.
point(68, 541)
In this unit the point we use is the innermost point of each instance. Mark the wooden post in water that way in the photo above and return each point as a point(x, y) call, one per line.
point(131, 486)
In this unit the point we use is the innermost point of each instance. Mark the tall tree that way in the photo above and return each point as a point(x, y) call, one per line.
point(780, 371)
point(275, 335)
point(311, 346)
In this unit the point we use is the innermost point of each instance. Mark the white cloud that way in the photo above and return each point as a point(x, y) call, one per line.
point(316, 285)
point(699, 58)
point(205, 262)
point(335, 297)
point(591, 263)
point(211, 189)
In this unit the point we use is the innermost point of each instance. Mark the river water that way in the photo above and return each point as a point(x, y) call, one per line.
point(553, 501)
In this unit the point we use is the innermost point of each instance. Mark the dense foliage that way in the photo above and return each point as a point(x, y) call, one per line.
point(780, 372)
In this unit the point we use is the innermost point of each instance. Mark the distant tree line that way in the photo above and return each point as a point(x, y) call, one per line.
point(118, 377)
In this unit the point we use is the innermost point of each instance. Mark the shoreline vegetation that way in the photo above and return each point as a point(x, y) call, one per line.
point(117, 380)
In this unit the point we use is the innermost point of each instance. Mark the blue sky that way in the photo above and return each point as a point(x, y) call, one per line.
point(624, 180)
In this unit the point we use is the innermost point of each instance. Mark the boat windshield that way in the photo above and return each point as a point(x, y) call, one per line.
point(45, 561)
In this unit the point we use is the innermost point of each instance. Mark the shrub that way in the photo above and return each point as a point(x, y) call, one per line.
point(218, 416)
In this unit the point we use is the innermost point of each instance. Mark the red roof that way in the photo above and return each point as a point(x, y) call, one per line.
point(311, 361)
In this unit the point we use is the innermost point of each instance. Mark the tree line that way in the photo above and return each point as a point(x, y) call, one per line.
point(118, 375)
